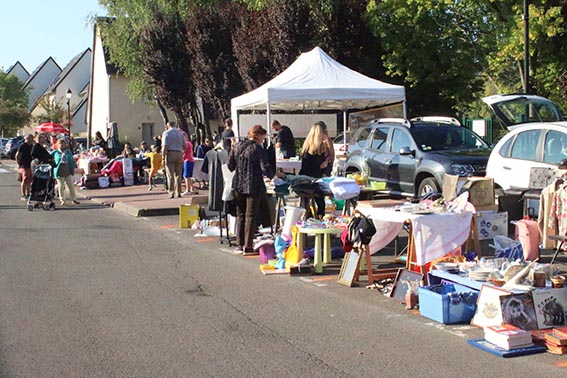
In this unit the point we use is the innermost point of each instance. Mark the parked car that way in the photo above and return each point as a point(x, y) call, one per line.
point(411, 156)
point(536, 140)
point(3, 142)
point(339, 145)
point(12, 146)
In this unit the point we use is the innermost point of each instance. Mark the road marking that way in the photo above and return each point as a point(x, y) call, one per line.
point(2, 170)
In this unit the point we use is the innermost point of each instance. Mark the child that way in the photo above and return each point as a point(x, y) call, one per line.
point(188, 165)
point(155, 164)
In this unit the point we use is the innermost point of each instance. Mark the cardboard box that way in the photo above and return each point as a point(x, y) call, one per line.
point(481, 189)
point(447, 304)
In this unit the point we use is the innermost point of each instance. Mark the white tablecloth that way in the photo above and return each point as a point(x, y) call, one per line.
point(289, 165)
point(85, 164)
point(434, 234)
point(197, 173)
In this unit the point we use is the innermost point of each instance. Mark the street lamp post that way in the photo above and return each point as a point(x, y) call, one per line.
point(68, 95)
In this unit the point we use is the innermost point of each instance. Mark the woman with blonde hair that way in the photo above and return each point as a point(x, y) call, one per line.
point(314, 159)
point(249, 162)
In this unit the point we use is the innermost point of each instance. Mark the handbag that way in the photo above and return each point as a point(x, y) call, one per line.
point(19, 176)
point(361, 229)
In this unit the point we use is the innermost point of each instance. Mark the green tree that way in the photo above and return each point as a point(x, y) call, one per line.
point(54, 112)
point(438, 47)
point(14, 113)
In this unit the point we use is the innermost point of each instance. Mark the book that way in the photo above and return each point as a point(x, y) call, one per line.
point(491, 348)
point(561, 331)
point(507, 336)
point(554, 339)
point(538, 336)
point(556, 349)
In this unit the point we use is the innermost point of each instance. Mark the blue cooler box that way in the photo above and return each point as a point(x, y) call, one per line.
point(447, 304)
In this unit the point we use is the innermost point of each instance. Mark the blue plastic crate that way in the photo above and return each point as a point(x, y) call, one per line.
point(447, 304)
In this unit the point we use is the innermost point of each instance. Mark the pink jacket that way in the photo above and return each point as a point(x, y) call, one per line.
point(188, 153)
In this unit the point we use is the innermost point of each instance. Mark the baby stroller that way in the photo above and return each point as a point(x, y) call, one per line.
point(42, 188)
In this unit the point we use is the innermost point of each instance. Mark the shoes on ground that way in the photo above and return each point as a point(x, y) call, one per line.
point(238, 250)
point(76, 202)
point(150, 189)
point(250, 252)
point(24, 198)
point(172, 195)
point(62, 203)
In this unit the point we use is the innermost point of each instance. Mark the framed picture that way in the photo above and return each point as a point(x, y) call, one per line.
point(349, 267)
point(519, 310)
point(401, 287)
point(550, 308)
point(488, 308)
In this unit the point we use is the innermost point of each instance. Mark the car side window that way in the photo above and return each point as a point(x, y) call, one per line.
point(555, 147)
point(525, 145)
point(362, 137)
point(400, 138)
point(379, 139)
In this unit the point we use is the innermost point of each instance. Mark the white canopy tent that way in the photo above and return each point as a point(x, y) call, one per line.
point(317, 81)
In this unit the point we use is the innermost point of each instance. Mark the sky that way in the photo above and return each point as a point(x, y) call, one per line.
point(33, 30)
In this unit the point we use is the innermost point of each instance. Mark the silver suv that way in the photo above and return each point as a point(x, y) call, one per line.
point(411, 156)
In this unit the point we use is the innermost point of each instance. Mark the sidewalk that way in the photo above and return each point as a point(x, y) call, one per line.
point(137, 201)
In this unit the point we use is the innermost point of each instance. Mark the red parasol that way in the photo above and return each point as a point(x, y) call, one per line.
point(51, 127)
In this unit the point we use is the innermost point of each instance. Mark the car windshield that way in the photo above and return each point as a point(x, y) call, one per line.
point(444, 138)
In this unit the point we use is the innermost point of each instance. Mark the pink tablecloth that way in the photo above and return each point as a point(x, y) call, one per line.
point(434, 234)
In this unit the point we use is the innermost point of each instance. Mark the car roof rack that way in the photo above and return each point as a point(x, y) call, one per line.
point(438, 119)
point(402, 121)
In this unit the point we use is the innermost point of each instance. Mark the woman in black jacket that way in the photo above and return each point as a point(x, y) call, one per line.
point(249, 162)
point(314, 160)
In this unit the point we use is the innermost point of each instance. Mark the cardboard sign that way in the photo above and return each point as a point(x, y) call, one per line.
point(128, 171)
point(489, 224)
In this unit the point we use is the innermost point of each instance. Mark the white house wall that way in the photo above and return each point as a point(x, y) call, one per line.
point(131, 115)
point(100, 97)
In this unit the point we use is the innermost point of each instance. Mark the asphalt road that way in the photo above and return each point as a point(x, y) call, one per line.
point(88, 291)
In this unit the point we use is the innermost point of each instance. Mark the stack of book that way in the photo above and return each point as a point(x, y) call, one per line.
point(556, 340)
point(508, 337)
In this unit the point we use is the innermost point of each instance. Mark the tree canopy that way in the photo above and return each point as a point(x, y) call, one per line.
point(448, 53)
point(14, 112)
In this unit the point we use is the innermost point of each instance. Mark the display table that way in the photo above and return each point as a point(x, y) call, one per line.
point(319, 257)
point(431, 235)
point(92, 164)
point(289, 165)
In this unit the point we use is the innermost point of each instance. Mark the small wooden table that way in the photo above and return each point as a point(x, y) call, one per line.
point(319, 257)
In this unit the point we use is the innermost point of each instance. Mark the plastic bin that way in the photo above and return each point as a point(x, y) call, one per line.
point(447, 304)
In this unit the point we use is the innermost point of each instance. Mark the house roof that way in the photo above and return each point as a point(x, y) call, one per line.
point(68, 68)
point(38, 70)
point(20, 66)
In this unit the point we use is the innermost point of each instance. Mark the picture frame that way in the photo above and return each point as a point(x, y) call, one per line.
point(400, 289)
point(350, 266)
point(550, 306)
point(488, 306)
point(519, 310)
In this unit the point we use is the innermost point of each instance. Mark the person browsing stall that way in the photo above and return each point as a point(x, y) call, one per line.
point(314, 160)
point(173, 146)
point(284, 140)
point(204, 148)
point(155, 164)
point(249, 162)
point(227, 135)
point(188, 166)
